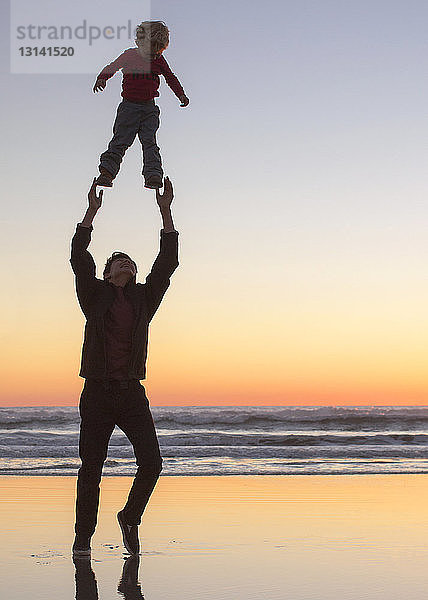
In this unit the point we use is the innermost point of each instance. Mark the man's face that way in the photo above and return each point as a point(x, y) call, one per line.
point(121, 266)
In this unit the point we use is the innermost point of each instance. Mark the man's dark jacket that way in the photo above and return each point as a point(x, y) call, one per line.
point(96, 296)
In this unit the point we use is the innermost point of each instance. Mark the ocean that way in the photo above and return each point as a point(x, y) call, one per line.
point(244, 440)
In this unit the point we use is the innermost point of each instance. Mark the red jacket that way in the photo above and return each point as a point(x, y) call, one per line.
point(141, 77)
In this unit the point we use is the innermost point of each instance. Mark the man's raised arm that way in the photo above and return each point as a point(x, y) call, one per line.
point(166, 262)
point(94, 204)
point(82, 263)
point(164, 202)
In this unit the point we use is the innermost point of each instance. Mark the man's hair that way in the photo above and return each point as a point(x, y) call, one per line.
point(112, 258)
point(158, 33)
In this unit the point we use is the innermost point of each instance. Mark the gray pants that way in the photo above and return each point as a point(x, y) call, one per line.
point(133, 119)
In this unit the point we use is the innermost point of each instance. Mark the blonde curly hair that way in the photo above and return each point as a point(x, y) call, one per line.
point(158, 33)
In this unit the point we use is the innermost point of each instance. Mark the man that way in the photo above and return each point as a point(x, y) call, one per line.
point(118, 312)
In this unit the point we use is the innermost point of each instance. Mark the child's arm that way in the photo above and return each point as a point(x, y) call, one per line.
point(108, 72)
point(173, 82)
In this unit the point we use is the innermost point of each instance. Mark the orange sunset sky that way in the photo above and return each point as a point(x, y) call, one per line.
point(300, 202)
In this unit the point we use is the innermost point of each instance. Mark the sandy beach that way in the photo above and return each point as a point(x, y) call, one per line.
point(210, 538)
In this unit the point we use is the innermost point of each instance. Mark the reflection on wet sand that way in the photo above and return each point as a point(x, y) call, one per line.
point(86, 583)
point(247, 538)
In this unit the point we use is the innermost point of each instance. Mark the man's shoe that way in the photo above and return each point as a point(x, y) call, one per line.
point(81, 547)
point(129, 535)
point(105, 178)
point(153, 182)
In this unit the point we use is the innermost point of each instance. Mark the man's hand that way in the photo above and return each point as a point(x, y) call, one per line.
point(99, 85)
point(184, 100)
point(94, 200)
point(164, 200)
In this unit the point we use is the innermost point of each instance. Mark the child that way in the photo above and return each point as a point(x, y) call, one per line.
point(138, 113)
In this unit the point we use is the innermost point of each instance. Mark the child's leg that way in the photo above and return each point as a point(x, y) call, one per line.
point(125, 129)
point(152, 163)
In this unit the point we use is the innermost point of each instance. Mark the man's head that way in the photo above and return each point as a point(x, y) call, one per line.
point(118, 267)
point(152, 37)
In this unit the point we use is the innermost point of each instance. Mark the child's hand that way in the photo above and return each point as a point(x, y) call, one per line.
point(99, 85)
point(184, 100)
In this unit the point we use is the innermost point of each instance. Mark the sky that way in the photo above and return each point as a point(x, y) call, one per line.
point(299, 170)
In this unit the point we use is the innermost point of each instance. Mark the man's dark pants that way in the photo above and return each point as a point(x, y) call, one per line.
point(102, 406)
point(133, 119)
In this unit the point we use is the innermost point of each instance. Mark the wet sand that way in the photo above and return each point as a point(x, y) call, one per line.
point(305, 537)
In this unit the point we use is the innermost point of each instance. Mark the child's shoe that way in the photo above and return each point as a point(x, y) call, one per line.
point(153, 182)
point(105, 178)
